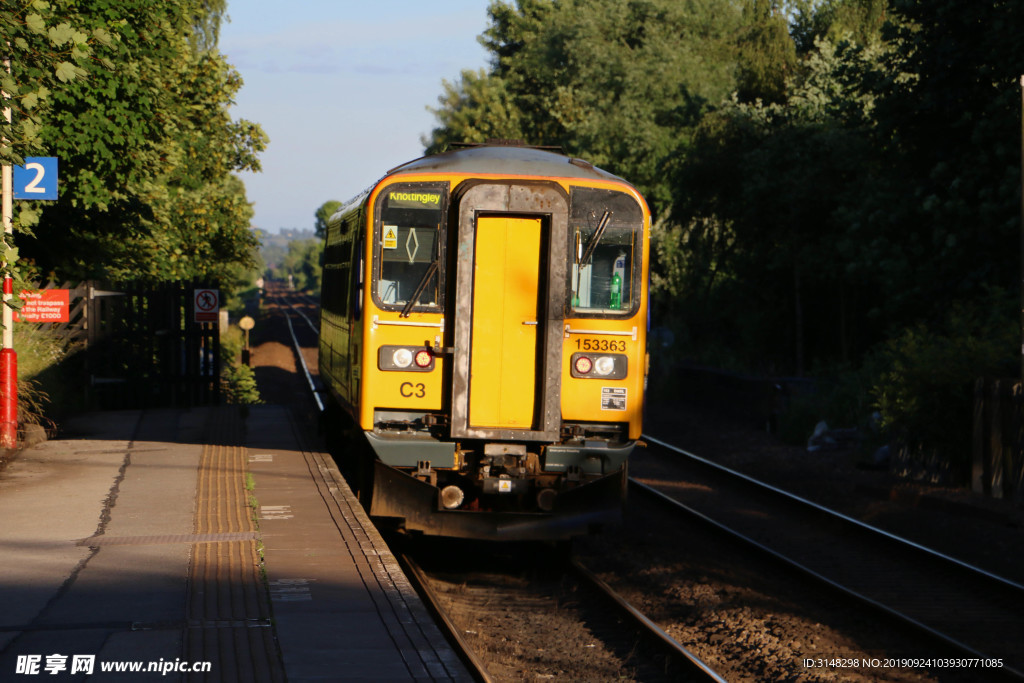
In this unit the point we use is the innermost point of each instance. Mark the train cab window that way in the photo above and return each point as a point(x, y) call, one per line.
point(408, 266)
point(605, 232)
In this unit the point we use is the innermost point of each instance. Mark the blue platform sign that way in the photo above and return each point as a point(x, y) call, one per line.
point(37, 179)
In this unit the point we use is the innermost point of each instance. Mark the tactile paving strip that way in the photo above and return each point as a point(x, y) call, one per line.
point(95, 541)
point(226, 583)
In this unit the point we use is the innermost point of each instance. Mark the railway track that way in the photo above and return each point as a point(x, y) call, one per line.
point(524, 613)
point(943, 610)
point(611, 639)
point(956, 611)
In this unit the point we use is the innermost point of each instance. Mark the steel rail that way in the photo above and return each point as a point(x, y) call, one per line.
point(1005, 672)
point(476, 666)
point(862, 526)
point(304, 317)
point(695, 665)
point(302, 361)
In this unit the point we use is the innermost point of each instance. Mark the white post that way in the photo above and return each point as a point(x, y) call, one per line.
point(8, 357)
point(8, 214)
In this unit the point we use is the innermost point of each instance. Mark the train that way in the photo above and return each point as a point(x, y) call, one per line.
point(483, 342)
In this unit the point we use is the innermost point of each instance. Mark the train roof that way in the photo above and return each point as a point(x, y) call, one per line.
point(501, 160)
point(505, 160)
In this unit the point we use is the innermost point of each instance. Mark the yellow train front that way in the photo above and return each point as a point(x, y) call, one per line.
point(484, 319)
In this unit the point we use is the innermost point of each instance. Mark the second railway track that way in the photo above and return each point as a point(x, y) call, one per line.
point(936, 609)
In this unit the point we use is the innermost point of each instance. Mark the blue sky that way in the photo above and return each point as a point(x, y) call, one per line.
point(342, 89)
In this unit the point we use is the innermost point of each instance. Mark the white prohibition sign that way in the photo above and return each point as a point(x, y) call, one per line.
point(207, 300)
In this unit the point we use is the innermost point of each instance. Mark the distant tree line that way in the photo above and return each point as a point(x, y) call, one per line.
point(835, 183)
point(132, 97)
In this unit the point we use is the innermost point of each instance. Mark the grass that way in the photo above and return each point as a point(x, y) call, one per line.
point(254, 506)
point(47, 366)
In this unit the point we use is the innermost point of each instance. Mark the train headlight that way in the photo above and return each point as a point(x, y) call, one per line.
point(406, 358)
point(402, 358)
point(604, 366)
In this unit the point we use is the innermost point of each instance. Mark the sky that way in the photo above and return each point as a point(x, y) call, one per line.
point(342, 89)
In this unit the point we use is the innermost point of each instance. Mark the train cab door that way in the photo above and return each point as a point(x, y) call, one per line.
point(509, 306)
point(506, 314)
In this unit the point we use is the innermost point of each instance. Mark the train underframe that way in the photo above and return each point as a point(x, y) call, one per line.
point(495, 490)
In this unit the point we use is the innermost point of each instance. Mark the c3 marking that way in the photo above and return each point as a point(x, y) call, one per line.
point(408, 390)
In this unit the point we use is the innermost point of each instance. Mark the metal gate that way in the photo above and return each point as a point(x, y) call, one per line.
point(145, 349)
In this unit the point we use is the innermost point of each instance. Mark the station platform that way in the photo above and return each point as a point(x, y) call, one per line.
point(200, 545)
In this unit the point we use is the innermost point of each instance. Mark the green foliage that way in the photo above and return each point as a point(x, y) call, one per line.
point(238, 385)
point(147, 151)
point(304, 263)
point(237, 382)
point(477, 108)
point(52, 48)
point(836, 183)
point(767, 54)
point(619, 83)
point(859, 21)
point(323, 214)
point(49, 384)
point(925, 374)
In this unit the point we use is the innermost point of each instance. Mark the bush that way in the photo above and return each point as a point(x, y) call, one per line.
point(924, 378)
point(49, 375)
point(237, 381)
point(238, 385)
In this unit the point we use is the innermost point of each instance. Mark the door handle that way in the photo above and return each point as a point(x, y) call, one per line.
point(529, 322)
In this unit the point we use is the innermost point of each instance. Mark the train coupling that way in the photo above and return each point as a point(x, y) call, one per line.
point(504, 483)
point(504, 468)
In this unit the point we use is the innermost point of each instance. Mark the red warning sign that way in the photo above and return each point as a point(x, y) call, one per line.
point(206, 305)
point(44, 306)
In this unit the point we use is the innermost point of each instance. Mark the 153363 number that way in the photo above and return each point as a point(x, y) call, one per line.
point(613, 345)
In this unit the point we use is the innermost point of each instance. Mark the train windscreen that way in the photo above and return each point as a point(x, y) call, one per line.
point(410, 222)
point(606, 230)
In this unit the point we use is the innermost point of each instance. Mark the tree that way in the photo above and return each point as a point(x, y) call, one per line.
point(46, 51)
point(477, 108)
point(767, 54)
point(619, 83)
point(323, 214)
point(304, 263)
point(47, 54)
point(147, 151)
point(765, 197)
point(857, 21)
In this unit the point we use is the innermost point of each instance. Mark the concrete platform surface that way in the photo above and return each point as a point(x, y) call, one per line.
point(200, 545)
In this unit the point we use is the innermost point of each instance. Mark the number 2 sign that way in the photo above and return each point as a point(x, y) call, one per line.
point(37, 179)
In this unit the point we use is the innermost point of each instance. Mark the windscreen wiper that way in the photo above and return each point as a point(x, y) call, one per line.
point(595, 238)
point(419, 289)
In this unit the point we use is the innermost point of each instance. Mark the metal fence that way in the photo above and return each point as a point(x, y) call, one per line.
point(143, 346)
point(998, 460)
